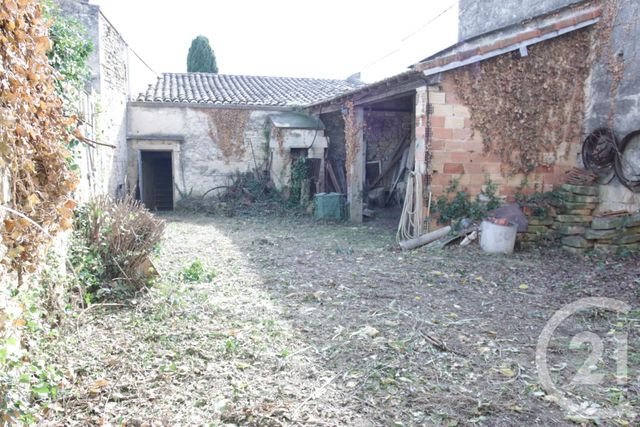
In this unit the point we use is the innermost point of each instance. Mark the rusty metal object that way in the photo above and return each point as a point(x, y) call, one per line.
point(631, 181)
point(599, 151)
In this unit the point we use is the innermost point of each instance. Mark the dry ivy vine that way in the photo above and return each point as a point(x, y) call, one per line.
point(525, 108)
point(351, 131)
point(226, 128)
point(34, 136)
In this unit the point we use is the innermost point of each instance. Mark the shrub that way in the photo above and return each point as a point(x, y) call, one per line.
point(197, 273)
point(457, 204)
point(111, 241)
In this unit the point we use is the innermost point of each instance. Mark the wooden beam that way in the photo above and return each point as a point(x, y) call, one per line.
point(355, 184)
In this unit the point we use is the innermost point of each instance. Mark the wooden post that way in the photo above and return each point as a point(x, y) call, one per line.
point(355, 186)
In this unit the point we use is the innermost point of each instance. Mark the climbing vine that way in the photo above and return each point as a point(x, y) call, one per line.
point(34, 137)
point(528, 110)
point(226, 128)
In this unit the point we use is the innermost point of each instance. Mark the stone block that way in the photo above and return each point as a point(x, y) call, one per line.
point(537, 229)
point(627, 239)
point(576, 242)
point(607, 223)
point(634, 247)
point(576, 198)
point(579, 211)
point(568, 206)
point(534, 220)
point(572, 230)
point(580, 219)
point(576, 251)
point(592, 234)
point(632, 220)
point(582, 190)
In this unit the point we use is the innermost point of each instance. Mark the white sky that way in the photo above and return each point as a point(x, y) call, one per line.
point(324, 38)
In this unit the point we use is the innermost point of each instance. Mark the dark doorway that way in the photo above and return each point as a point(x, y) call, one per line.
point(156, 180)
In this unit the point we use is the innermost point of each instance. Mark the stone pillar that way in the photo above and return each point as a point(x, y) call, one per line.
point(421, 130)
point(356, 171)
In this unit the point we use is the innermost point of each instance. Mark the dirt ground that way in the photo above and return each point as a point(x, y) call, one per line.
point(300, 323)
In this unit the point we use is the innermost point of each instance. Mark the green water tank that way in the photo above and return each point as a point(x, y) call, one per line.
point(329, 206)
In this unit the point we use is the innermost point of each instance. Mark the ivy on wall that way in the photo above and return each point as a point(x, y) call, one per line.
point(226, 128)
point(351, 131)
point(528, 110)
point(34, 135)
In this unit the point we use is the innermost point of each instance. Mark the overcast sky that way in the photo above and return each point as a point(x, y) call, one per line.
point(323, 38)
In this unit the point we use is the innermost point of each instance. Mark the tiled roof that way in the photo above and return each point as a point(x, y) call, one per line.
point(223, 89)
point(499, 41)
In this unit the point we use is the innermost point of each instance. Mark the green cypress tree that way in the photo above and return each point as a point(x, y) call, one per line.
point(201, 57)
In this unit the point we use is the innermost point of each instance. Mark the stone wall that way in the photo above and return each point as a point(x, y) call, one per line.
point(112, 84)
point(457, 152)
point(203, 164)
point(112, 112)
point(384, 131)
point(479, 17)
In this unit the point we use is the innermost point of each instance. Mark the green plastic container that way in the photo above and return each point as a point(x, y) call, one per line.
point(329, 206)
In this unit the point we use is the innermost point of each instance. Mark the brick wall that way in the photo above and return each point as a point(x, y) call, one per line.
point(457, 152)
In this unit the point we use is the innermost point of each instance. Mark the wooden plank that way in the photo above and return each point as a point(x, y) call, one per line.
point(396, 157)
point(332, 177)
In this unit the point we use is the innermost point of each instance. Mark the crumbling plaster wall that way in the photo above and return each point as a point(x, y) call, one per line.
point(203, 164)
point(620, 109)
point(479, 17)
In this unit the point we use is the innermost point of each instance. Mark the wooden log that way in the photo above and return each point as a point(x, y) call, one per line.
point(425, 238)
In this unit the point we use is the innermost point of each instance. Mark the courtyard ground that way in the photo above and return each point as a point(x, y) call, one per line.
point(299, 323)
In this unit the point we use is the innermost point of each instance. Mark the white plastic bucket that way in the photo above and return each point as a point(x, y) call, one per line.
point(497, 239)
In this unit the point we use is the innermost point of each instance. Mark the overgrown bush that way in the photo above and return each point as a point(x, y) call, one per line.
point(539, 202)
point(456, 204)
point(111, 242)
point(245, 192)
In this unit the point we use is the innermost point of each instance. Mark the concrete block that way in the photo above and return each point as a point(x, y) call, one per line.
point(444, 110)
point(437, 98)
point(452, 122)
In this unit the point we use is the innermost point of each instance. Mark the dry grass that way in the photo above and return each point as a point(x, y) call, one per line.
point(309, 324)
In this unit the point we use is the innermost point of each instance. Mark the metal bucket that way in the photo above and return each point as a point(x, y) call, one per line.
point(497, 239)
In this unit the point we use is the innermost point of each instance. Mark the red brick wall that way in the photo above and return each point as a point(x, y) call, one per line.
point(457, 152)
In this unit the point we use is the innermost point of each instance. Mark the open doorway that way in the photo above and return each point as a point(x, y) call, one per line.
point(389, 141)
point(155, 185)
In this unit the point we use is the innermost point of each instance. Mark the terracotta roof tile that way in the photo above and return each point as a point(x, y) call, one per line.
point(225, 89)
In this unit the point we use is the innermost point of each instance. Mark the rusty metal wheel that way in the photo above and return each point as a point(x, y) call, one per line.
point(599, 151)
point(628, 172)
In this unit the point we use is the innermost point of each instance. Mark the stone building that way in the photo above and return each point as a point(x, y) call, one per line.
point(189, 133)
point(555, 69)
point(118, 74)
